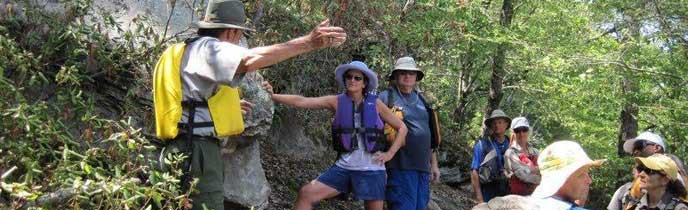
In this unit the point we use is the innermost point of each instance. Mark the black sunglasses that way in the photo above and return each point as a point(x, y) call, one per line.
point(349, 77)
point(640, 144)
point(647, 170)
point(520, 130)
point(402, 72)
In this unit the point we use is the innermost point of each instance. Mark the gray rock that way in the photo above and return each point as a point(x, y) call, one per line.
point(432, 205)
point(290, 138)
point(245, 183)
point(258, 122)
point(509, 202)
point(453, 175)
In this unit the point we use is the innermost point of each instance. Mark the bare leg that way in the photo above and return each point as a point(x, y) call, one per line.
point(373, 205)
point(314, 192)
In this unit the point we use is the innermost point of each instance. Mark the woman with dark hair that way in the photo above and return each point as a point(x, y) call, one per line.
point(658, 187)
point(357, 137)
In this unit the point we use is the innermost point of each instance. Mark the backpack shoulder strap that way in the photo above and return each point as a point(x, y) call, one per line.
point(422, 99)
point(674, 203)
point(390, 98)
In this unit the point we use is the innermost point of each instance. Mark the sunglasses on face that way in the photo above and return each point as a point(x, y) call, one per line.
point(349, 77)
point(640, 144)
point(647, 170)
point(402, 73)
point(521, 130)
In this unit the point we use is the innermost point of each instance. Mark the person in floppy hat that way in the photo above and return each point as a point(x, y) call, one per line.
point(360, 168)
point(215, 57)
point(487, 168)
point(521, 160)
point(659, 185)
point(646, 144)
point(415, 165)
point(565, 180)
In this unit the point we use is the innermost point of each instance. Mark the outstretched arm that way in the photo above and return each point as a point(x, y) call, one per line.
point(322, 36)
point(323, 102)
point(397, 124)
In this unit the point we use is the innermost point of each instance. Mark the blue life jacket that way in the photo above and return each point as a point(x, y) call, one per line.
point(344, 133)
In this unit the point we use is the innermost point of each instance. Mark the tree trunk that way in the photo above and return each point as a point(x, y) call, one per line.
point(498, 64)
point(629, 122)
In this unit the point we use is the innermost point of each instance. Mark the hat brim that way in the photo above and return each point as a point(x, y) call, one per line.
point(488, 121)
point(647, 162)
point(552, 182)
point(211, 25)
point(628, 145)
point(420, 73)
point(341, 69)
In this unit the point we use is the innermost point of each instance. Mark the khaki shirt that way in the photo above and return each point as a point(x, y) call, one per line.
point(208, 63)
point(514, 166)
point(663, 203)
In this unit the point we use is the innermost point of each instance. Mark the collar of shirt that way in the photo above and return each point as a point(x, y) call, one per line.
point(663, 202)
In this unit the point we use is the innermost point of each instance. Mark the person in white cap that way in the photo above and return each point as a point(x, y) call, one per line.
point(565, 180)
point(658, 186)
point(644, 145)
point(521, 160)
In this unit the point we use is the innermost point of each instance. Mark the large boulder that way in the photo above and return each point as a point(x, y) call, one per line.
point(453, 175)
point(290, 139)
point(245, 184)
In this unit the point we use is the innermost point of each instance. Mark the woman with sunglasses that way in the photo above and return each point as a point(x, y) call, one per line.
point(658, 187)
point(357, 137)
point(521, 160)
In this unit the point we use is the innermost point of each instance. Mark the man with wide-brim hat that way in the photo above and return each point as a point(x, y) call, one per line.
point(415, 165)
point(565, 183)
point(488, 177)
point(218, 57)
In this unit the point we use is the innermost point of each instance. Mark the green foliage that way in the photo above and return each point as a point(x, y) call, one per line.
point(76, 101)
point(564, 67)
point(60, 146)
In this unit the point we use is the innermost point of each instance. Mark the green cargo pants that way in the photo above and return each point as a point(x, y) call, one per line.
point(207, 166)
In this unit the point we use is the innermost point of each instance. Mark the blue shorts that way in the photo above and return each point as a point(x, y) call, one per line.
point(408, 189)
point(365, 185)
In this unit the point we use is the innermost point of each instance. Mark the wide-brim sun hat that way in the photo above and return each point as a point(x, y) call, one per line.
point(497, 114)
point(357, 65)
point(224, 14)
point(648, 136)
point(407, 64)
point(660, 162)
point(557, 162)
point(519, 122)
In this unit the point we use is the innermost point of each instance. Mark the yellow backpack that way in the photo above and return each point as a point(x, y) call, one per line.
point(224, 106)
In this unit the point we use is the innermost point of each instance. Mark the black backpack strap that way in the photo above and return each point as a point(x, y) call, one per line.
point(188, 127)
point(192, 39)
point(390, 99)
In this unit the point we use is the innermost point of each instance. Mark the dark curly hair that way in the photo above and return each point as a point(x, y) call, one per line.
point(676, 188)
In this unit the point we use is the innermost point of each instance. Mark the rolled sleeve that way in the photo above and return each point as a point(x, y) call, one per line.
point(224, 59)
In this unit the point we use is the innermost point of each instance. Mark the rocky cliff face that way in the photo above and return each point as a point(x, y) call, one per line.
point(293, 158)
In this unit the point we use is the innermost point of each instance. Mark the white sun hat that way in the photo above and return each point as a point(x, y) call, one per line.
point(648, 136)
point(557, 163)
point(519, 122)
